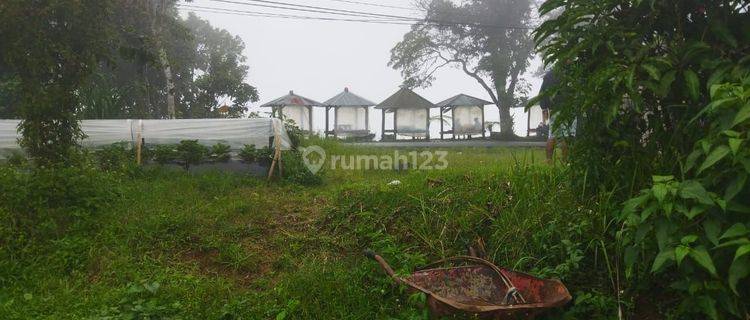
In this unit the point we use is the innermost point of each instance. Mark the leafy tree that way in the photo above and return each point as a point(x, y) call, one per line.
point(207, 64)
point(659, 89)
point(51, 47)
point(490, 40)
point(213, 74)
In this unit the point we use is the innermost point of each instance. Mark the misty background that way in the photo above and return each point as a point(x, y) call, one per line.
point(317, 59)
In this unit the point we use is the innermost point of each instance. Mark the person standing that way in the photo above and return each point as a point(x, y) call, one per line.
point(558, 134)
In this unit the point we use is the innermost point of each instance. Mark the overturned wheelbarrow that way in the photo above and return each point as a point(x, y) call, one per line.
point(480, 288)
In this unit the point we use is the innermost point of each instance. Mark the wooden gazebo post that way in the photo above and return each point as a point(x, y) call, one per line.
point(453, 123)
point(335, 122)
point(427, 134)
point(309, 118)
point(326, 132)
point(367, 119)
point(382, 124)
point(528, 124)
point(395, 124)
point(484, 132)
point(441, 123)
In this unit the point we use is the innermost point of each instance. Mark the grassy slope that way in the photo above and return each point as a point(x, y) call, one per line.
point(221, 246)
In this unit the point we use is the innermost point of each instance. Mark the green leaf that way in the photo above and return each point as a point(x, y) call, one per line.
point(686, 240)
point(715, 156)
point(716, 78)
point(737, 242)
point(701, 256)
point(692, 159)
point(680, 252)
point(631, 255)
point(694, 211)
point(661, 259)
point(741, 251)
point(660, 191)
point(692, 84)
point(734, 145)
point(281, 315)
point(666, 83)
point(712, 229)
point(692, 189)
point(708, 306)
point(734, 188)
point(736, 230)
point(742, 115)
point(652, 71)
point(630, 206)
point(731, 133)
point(658, 179)
point(739, 270)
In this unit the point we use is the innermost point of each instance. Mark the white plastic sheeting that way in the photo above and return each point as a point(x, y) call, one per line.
point(467, 120)
point(351, 119)
point(105, 132)
point(8, 136)
point(234, 132)
point(535, 117)
point(299, 114)
point(411, 122)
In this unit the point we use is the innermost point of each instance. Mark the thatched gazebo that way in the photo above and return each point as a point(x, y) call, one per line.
point(411, 114)
point(467, 114)
point(294, 107)
point(351, 115)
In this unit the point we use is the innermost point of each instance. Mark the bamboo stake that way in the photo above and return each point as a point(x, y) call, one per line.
point(276, 155)
point(138, 145)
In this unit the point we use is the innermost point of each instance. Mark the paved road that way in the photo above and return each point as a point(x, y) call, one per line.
point(452, 143)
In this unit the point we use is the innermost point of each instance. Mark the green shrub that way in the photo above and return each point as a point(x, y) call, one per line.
point(295, 170)
point(115, 157)
point(143, 301)
point(17, 159)
point(697, 228)
point(248, 153)
point(265, 155)
point(659, 89)
point(294, 132)
point(48, 199)
point(220, 152)
point(190, 152)
point(165, 153)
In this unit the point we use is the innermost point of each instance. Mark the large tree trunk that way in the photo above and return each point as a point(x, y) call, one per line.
point(157, 30)
point(167, 70)
point(506, 121)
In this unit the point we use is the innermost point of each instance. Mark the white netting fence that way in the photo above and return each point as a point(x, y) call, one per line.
point(411, 122)
point(234, 132)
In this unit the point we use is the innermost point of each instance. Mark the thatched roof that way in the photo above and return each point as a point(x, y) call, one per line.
point(405, 99)
point(291, 99)
point(348, 99)
point(463, 100)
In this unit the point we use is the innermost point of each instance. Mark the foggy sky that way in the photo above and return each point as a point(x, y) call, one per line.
point(318, 59)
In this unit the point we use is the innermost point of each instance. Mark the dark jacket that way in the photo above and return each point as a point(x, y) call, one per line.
point(549, 82)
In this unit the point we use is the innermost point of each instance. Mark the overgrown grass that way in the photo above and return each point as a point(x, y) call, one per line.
point(221, 246)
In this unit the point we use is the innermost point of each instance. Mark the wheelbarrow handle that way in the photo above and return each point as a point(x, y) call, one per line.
point(383, 264)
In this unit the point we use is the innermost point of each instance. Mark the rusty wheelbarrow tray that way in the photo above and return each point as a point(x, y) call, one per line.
point(481, 288)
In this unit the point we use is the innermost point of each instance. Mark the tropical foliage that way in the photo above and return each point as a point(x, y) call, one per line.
point(48, 51)
point(139, 60)
point(660, 90)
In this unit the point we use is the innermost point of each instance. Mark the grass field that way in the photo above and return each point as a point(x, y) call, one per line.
point(166, 245)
